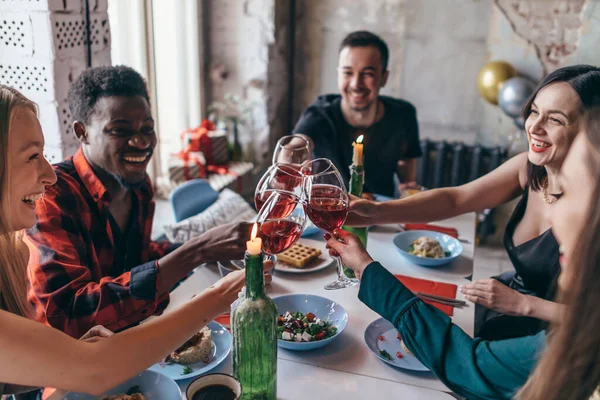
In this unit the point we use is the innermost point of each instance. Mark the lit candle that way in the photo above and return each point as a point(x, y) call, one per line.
point(357, 159)
point(254, 246)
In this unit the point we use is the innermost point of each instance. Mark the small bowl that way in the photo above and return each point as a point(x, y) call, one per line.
point(403, 240)
point(152, 385)
point(327, 310)
point(226, 267)
point(210, 380)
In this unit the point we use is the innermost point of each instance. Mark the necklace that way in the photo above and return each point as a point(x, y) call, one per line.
point(549, 197)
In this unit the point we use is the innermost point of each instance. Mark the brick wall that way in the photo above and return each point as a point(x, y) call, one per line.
point(43, 48)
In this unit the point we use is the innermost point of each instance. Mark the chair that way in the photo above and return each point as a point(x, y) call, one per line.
point(191, 198)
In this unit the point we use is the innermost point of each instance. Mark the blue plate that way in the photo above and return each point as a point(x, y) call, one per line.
point(404, 239)
point(380, 336)
point(154, 386)
point(221, 347)
point(327, 310)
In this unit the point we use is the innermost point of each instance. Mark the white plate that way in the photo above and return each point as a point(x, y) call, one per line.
point(381, 336)
point(321, 262)
point(221, 345)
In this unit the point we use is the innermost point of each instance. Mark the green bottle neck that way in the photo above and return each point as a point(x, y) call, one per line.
point(255, 281)
point(357, 180)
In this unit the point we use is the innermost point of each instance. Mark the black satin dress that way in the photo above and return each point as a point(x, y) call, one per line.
point(537, 267)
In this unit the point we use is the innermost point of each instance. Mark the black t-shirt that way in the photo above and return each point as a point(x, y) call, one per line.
point(395, 137)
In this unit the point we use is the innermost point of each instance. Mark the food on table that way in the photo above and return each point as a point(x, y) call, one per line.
point(406, 348)
point(134, 393)
point(399, 355)
point(197, 348)
point(298, 327)
point(385, 355)
point(187, 370)
point(427, 247)
point(299, 255)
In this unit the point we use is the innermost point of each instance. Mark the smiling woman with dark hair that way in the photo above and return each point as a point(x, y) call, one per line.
point(519, 303)
point(479, 369)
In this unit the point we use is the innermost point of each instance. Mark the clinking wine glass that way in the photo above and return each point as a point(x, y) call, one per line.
point(293, 150)
point(280, 231)
point(279, 178)
point(326, 204)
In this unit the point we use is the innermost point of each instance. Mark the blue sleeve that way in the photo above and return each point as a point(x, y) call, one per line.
point(472, 368)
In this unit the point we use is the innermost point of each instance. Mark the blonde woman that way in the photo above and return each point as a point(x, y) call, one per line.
point(35, 355)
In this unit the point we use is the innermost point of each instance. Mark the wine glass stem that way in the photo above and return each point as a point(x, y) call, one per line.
point(340, 268)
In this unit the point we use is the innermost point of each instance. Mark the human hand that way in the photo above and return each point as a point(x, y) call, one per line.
point(361, 212)
point(231, 284)
point(350, 249)
point(95, 334)
point(225, 242)
point(496, 296)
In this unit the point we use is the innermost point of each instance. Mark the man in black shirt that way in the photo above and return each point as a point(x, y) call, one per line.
point(334, 121)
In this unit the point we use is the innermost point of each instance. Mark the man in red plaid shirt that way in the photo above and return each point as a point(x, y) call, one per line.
point(92, 261)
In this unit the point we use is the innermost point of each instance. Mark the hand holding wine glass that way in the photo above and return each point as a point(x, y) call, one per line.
point(279, 231)
point(326, 204)
point(282, 179)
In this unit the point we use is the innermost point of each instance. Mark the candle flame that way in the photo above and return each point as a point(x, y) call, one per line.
point(360, 139)
point(254, 231)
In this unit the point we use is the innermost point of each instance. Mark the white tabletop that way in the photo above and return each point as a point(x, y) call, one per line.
point(348, 359)
point(328, 384)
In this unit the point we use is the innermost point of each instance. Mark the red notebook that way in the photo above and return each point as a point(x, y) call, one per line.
point(431, 287)
point(436, 228)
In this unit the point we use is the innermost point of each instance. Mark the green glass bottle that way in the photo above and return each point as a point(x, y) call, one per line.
point(254, 328)
point(357, 181)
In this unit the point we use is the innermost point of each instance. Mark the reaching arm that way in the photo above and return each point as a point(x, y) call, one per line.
point(497, 187)
point(37, 355)
point(472, 368)
point(73, 286)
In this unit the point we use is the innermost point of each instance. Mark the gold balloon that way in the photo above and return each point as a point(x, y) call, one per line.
point(491, 78)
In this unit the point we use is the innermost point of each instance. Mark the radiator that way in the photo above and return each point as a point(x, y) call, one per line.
point(446, 164)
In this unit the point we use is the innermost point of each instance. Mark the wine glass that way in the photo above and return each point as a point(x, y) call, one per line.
point(326, 204)
point(279, 232)
point(283, 179)
point(293, 150)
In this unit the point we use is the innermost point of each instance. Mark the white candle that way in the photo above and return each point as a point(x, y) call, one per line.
point(254, 246)
point(357, 158)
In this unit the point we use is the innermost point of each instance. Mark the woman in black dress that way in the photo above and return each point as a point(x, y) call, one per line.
point(515, 304)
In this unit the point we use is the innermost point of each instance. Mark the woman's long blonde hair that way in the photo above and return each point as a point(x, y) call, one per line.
point(570, 366)
point(13, 283)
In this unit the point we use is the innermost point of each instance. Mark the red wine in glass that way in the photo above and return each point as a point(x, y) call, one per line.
point(285, 203)
point(278, 235)
point(327, 213)
point(288, 177)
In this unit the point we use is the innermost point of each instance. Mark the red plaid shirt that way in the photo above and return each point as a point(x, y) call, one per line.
point(75, 280)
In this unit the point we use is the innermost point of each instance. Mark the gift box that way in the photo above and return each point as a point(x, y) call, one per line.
point(213, 144)
point(215, 147)
point(186, 165)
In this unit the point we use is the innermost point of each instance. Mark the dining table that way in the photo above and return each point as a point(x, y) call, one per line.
point(346, 368)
